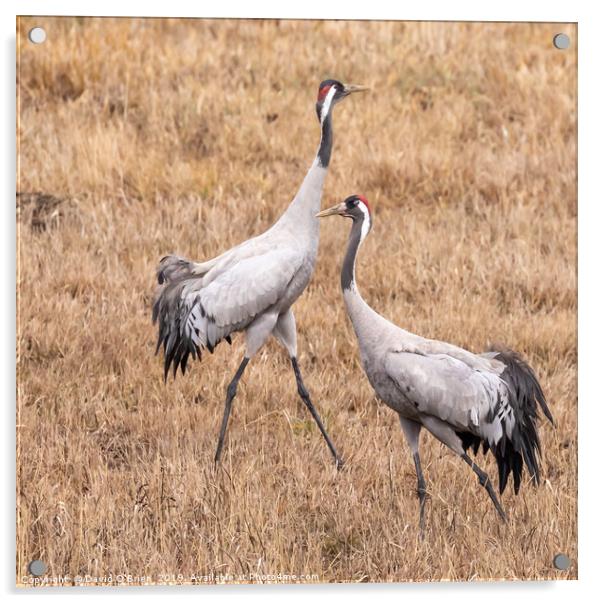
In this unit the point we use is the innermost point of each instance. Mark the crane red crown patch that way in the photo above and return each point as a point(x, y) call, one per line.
point(322, 92)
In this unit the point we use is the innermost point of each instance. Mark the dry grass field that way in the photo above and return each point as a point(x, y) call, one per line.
point(142, 137)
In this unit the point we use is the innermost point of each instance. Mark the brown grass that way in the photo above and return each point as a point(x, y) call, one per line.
point(152, 136)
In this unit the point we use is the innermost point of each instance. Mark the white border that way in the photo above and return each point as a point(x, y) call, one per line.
point(590, 257)
point(511, 10)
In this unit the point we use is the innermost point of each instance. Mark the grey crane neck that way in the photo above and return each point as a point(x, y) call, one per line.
point(348, 269)
point(370, 327)
point(300, 215)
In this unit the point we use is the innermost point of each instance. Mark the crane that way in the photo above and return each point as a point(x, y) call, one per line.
point(465, 400)
point(252, 286)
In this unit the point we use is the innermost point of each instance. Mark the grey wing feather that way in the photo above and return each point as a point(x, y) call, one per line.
point(193, 315)
point(250, 286)
point(446, 388)
point(481, 362)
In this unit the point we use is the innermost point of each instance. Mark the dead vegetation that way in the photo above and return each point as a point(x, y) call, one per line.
point(466, 149)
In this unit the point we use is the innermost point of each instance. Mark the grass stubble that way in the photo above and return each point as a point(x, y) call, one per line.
point(142, 137)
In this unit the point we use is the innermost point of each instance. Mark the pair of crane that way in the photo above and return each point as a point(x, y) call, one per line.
point(465, 400)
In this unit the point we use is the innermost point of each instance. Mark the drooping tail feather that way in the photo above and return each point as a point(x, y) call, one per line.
point(185, 327)
point(169, 311)
point(523, 446)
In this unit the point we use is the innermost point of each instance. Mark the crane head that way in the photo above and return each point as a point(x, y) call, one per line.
point(330, 92)
point(355, 207)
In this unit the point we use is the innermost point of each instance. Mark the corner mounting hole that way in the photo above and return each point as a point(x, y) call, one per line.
point(37, 567)
point(562, 562)
point(37, 35)
point(561, 41)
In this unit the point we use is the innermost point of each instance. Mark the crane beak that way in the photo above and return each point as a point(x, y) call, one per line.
point(339, 209)
point(351, 88)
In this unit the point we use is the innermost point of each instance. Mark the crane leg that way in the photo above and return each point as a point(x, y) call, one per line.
point(421, 491)
point(411, 429)
point(486, 483)
point(314, 413)
point(230, 393)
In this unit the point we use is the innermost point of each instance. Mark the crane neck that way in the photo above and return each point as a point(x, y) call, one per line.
point(372, 329)
point(301, 212)
point(364, 319)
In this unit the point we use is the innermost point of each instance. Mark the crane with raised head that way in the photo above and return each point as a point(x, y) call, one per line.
point(465, 400)
point(250, 288)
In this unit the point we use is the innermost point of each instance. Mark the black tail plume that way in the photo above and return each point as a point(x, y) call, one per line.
point(523, 447)
point(171, 315)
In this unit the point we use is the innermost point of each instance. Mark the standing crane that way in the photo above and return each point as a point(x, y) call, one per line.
point(465, 400)
point(251, 287)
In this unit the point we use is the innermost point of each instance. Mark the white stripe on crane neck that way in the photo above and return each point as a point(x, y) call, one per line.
point(327, 102)
point(366, 222)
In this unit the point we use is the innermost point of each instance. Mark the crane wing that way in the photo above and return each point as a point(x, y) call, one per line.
point(250, 286)
point(445, 387)
point(193, 315)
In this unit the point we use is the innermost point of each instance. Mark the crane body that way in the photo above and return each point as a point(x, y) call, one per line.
point(465, 400)
point(251, 287)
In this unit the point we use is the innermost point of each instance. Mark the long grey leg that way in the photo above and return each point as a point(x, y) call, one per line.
point(307, 400)
point(286, 333)
point(486, 483)
point(230, 393)
point(411, 429)
point(421, 490)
